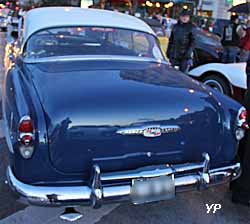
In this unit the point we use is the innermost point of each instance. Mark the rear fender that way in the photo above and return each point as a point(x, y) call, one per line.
point(234, 73)
point(20, 99)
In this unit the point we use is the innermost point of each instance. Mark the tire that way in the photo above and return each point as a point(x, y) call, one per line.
point(218, 83)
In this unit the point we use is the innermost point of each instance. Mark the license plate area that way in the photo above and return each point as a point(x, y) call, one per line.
point(152, 189)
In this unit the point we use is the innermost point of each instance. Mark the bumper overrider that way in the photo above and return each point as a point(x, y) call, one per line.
point(119, 186)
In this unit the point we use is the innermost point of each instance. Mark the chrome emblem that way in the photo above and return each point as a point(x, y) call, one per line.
point(152, 132)
point(149, 131)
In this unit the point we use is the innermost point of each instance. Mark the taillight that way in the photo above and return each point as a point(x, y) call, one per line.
point(26, 134)
point(243, 115)
point(26, 125)
point(242, 123)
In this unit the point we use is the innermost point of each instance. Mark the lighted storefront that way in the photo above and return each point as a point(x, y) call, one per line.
point(142, 7)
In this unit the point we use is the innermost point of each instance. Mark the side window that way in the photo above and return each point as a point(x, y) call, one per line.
point(121, 38)
point(141, 44)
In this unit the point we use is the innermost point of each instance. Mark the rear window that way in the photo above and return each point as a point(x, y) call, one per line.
point(69, 41)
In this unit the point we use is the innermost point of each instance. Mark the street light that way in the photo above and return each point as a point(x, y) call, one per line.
point(149, 4)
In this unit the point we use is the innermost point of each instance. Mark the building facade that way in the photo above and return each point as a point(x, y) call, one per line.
point(216, 8)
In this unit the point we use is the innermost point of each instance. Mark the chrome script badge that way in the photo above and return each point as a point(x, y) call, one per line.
point(152, 132)
point(149, 131)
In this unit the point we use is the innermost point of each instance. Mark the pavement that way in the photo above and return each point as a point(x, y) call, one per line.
point(186, 208)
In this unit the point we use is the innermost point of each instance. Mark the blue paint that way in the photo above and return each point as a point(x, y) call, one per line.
point(77, 108)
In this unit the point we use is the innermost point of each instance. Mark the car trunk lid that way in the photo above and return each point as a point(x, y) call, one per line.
point(88, 105)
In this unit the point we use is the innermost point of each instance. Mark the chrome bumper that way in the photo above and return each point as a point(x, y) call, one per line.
point(116, 186)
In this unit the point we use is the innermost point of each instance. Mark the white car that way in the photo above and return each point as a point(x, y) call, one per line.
point(229, 79)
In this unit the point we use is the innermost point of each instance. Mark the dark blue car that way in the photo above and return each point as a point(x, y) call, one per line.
point(94, 114)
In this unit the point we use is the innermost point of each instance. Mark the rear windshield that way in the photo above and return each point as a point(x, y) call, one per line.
point(70, 41)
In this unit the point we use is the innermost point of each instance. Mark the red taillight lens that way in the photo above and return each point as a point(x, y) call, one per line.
point(26, 140)
point(26, 137)
point(26, 126)
point(243, 121)
point(242, 124)
point(243, 115)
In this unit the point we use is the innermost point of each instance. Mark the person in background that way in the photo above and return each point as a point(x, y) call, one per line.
point(157, 16)
point(230, 40)
point(241, 187)
point(244, 33)
point(181, 43)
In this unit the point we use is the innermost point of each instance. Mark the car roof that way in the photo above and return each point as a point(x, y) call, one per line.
point(48, 17)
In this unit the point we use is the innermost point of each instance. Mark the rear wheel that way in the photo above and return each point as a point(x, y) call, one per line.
point(218, 83)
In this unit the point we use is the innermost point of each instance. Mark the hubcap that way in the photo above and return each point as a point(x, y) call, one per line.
point(215, 85)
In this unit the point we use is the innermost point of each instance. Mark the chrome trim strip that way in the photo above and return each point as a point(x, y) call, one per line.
point(149, 172)
point(140, 130)
point(118, 192)
point(48, 195)
point(93, 58)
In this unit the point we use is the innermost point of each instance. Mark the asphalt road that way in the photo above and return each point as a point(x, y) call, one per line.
point(184, 209)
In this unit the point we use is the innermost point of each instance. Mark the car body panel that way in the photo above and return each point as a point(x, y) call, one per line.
point(234, 73)
point(208, 48)
point(73, 138)
point(127, 94)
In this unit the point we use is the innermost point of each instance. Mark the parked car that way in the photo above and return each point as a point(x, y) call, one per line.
point(229, 79)
point(160, 32)
point(208, 48)
point(93, 117)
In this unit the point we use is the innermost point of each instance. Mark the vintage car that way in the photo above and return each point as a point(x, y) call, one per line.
point(229, 79)
point(208, 48)
point(92, 116)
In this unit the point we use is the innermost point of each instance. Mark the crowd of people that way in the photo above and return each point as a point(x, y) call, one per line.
point(236, 40)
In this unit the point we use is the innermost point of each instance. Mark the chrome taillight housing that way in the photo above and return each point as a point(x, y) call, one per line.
point(26, 136)
point(241, 124)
